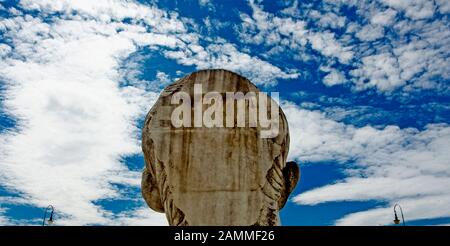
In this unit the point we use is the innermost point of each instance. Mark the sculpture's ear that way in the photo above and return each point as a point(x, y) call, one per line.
point(291, 174)
point(150, 191)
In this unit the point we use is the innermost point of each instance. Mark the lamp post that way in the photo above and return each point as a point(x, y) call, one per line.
point(396, 220)
point(50, 220)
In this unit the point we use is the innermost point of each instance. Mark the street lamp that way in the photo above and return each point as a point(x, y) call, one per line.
point(50, 220)
point(396, 220)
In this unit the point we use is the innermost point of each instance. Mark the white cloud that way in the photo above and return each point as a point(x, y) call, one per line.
point(413, 65)
point(406, 166)
point(105, 11)
point(75, 119)
point(218, 24)
point(3, 219)
point(207, 3)
point(167, 31)
point(415, 51)
point(266, 28)
point(328, 19)
point(140, 217)
point(75, 122)
point(328, 46)
point(228, 57)
point(292, 10)
point(203, 2)
point(443, 6)
point(334, 78)
point(384, 18)
point(415, 208)
point(416, 9)
point(4, 50)
point(163, 77)
point(370, 33)
point(380, 71)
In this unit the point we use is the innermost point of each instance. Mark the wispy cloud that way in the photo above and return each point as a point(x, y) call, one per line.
point(388, 51)
point(75, 122)
point(61, 68)
point(77, 105)
point(390, 164)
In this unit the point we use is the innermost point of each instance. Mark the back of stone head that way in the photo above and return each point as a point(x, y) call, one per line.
point(200, 172)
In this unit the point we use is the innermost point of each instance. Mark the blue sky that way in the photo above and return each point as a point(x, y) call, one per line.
point(364, 85)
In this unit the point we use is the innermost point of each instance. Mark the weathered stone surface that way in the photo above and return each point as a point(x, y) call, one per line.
point(214, 176)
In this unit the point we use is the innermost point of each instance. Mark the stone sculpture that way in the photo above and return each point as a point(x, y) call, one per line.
point(215, 175)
